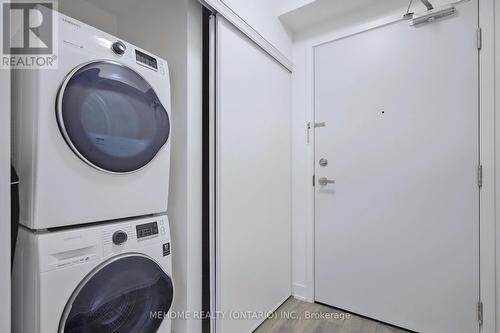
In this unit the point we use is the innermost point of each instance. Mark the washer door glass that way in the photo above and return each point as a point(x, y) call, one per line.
point(122, 297)
point(111, 117)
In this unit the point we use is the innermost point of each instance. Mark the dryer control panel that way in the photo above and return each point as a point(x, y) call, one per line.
point(146, 60)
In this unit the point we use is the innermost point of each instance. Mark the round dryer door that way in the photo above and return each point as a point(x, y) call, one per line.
point(121, 296)
point(111, 117)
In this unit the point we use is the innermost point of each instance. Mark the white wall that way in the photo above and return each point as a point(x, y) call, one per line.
point(4, 200)
point(194, 162)
point(262, 15)
point(91, 14)
point(302, 173)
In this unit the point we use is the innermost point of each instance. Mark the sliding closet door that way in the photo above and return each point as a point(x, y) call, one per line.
point(253, 181)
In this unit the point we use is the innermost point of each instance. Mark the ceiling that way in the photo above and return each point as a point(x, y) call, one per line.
point(296, 15)
point(299, 15)
point(320, 11)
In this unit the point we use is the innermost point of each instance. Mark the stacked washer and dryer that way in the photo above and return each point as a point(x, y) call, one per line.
point(91, 144)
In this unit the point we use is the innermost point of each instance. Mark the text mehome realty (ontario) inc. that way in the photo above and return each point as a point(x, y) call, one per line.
point(250, 315)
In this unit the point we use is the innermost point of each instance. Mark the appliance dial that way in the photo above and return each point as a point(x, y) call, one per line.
point(120, 237)
point(119, 47)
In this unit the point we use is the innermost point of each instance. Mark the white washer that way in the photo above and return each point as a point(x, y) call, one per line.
point(91, 139)
point(104, 278)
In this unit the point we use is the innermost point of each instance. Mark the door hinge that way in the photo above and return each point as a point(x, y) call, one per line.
point(479, 39)
point(316, 125)
point(314, 180)
point(480, 313)
point(480, 176)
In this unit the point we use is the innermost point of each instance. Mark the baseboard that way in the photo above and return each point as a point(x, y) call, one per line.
point(301, 292)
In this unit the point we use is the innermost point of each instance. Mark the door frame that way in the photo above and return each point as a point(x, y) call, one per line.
point(5, 188)
point(489, 151)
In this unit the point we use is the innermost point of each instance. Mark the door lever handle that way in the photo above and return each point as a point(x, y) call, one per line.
point(323, 181)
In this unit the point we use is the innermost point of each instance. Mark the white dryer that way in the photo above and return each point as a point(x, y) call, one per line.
point(91, 139)
point(105, 278)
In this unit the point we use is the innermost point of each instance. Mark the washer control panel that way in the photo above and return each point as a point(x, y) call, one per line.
point(147, 230)
point(66, 248)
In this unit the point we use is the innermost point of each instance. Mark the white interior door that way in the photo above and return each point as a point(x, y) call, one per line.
point(397, 235)
point(253, 181)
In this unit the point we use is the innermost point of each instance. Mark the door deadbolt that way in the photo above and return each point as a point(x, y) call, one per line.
point(323, 162)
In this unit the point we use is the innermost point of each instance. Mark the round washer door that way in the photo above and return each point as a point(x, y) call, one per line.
point(111, 117)
point(121, 296)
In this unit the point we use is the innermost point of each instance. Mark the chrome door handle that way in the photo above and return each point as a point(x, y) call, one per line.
point(325, 181)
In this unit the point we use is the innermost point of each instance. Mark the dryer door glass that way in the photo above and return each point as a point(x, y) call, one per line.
point(111, 117)
point(127, 295)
